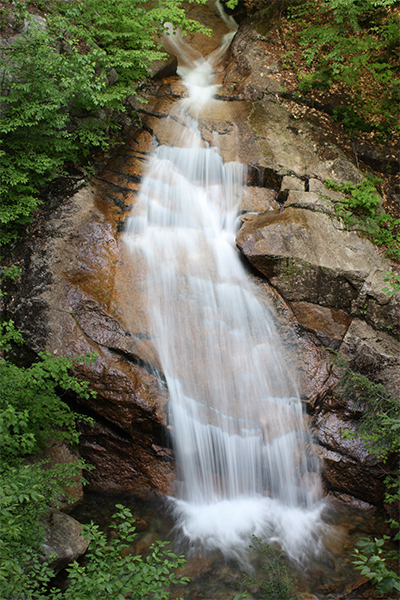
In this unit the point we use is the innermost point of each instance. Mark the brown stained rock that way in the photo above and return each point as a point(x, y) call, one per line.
point(88, 258)
point(316, 378)
point(330, 428)
point(207, 15)
point(328, 325)
point(126, 465)
point(343, 474)
point(74, 290)
point(165, 131)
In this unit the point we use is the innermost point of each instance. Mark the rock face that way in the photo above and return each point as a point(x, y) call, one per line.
point(68, 306)
point(63, 540)
point(81, 294)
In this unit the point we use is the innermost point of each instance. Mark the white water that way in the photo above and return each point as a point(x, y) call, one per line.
point(235, 412)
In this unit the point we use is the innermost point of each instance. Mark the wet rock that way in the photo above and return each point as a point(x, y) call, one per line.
point(373, 353)
point(329, 432)
point(316, 378)
point(125, 464)
point(68, 307)
point(195, 568)
point(344, 474)
point(351, 501)
point(63, 540)
point(327, 325)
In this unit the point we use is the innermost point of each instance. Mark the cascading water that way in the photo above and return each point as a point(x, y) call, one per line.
point(238, 431)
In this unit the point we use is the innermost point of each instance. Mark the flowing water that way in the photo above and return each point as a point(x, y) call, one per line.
point(245, 463)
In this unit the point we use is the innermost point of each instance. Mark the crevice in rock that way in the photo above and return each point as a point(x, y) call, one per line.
point(115, 431)
point(263, 177)
point(115, 185)
point(138, 362)
point(130, 178)
point(159, 116)
point(311, 207)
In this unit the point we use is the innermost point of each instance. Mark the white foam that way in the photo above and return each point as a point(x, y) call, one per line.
point(228, 526)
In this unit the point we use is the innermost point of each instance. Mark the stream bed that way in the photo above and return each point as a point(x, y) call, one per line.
point(329, 577)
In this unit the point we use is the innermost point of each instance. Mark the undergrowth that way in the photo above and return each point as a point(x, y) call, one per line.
point(276, 582)
point(360, 209)
point(352, 46)
point(378, 428)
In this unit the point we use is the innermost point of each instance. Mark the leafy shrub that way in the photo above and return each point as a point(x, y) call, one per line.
point(30, 409)
point(54, 83)
point(276, 584)
point(394, 280)
point(26, 491)
point(371, 561)
point(360, 208)
point(354, 45)
point(109, 571)
point(379, 428)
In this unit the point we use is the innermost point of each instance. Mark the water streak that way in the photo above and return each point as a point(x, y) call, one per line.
point(243, 451)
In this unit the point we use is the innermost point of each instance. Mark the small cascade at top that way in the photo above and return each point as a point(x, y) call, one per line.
point(243, 451)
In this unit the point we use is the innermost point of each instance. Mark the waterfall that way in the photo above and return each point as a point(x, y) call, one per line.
point(242, 448)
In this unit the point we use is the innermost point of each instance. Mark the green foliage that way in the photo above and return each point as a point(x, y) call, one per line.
point(372, 563)
point(380, 410)
point(276, 584)
point(8, 335)
point(56, 101)
point(30, 409)
point(125, 32)
point(360, 208)
point(26, 491)
point(354, 44)
point(110, 571)
point(379, 429)
point(39, 87)
point(12, 273)
point(394, 280)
